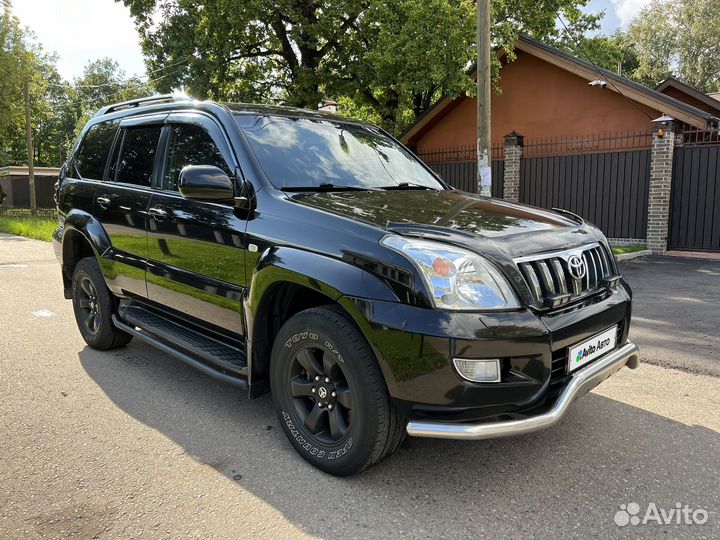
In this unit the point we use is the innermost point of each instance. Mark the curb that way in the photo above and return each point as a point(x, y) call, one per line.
point(633, 255)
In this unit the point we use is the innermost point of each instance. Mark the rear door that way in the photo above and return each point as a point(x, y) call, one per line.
point(196, 257)
point(86, 169)
point(121, 203)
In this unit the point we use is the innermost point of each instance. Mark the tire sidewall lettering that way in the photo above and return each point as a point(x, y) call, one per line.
point(304, 444)
point(301, 336)
point(339, 453)
point(334, 350)
point(311, 336)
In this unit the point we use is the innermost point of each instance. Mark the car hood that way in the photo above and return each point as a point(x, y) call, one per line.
point(456, 217)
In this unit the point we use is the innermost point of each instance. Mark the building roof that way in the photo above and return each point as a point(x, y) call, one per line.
point(707, 99)
point(635, 91)
point(714, 95)
point(16, 170)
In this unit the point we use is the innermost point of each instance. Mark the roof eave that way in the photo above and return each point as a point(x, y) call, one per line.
point(635, 91)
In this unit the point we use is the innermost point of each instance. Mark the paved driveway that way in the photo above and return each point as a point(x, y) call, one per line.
point(131, 443)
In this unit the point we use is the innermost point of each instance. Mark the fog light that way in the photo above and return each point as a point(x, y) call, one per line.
point(478, 370)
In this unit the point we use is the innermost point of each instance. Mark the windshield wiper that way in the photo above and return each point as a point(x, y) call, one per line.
point(409, 185)
point(327, 187)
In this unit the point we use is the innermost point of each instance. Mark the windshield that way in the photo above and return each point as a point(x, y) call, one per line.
point(316, 153)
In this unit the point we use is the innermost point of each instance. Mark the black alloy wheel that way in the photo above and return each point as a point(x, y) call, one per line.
point(322, 395)
point(330, 395)
point(94, 306)
point(87, 302)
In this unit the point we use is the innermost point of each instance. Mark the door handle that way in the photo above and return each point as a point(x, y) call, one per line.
point(158, 213)
point(104, 202)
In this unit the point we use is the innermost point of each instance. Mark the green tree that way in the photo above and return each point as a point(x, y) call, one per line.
point(58, 109)
point(614, 53)
point(678, 38)
point(21, 60)
point(102, 83)
point(14, 60)
point(388, 58)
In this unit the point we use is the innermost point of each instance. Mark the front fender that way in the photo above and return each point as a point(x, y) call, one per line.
point(326, 275)
point(330, 277)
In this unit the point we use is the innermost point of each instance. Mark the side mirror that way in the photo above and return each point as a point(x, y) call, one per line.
point(205, 182)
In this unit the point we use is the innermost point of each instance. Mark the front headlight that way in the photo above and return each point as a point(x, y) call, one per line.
point(456, 278)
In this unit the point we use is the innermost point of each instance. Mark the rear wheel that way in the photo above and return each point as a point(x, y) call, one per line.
point(330, 395)
point(94, 306)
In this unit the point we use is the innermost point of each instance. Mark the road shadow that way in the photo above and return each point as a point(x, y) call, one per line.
point(563, 482)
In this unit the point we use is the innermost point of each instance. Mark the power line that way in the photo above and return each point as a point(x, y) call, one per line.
point(163, 68)
point(579, 47)
point(121, 83)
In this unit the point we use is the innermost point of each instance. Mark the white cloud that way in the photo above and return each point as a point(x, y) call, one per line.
point(626, 10)
point(80, 31)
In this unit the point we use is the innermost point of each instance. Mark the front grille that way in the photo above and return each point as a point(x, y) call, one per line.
point(552, 278)
point(558, 375)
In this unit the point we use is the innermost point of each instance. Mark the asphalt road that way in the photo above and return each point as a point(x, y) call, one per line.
point(676, 314)
point(133, 444)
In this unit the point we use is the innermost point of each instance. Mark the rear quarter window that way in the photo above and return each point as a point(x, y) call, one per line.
point(93, 153)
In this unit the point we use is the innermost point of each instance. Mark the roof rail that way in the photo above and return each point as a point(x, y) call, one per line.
point(165, 98)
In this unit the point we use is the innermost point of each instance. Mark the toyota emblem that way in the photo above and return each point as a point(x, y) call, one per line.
point(576, 267)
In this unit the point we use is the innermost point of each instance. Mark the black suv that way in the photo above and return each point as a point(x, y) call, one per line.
point(315, 257)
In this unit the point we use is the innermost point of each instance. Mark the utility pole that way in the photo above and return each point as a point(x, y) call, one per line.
point(30, 150)
point(483, 98)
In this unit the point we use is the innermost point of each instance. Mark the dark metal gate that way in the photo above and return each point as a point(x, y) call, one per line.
point(463, 175)
point(609, 189)
point(695, 199)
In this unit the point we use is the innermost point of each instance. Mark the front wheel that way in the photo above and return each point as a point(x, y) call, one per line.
point(330, 395)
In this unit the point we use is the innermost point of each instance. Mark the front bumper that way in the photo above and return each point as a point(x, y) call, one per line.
point(580, 383)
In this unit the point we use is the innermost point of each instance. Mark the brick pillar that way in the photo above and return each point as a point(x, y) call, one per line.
point(513, 155)
point(661, 159)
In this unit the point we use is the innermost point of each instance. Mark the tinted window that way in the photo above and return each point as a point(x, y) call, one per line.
point(190, 145)
point(93, 153)
point(302, 152)
point(137, 155)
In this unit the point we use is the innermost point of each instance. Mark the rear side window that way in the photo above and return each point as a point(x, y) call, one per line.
point(93, 153)
point(190, 145)
point(137, 155)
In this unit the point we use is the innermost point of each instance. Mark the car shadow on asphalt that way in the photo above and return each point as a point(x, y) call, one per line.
point(566, 481)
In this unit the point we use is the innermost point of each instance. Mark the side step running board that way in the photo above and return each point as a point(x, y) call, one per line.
point(187, 358)
point(202, 344)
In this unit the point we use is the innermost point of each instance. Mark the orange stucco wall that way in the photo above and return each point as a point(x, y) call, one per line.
point(539, 101)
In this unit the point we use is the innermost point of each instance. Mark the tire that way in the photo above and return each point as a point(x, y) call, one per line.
point(330, 395)
point(94, 305)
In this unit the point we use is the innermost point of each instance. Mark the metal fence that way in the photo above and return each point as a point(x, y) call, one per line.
point(609, 189)
point(26, 212)
point(587, 144)
point(603, 178)
point(697, 137)
point(458, 167)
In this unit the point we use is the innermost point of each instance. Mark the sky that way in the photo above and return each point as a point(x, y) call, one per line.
point(106, 26)
point(618, 13)
point(108, 29)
